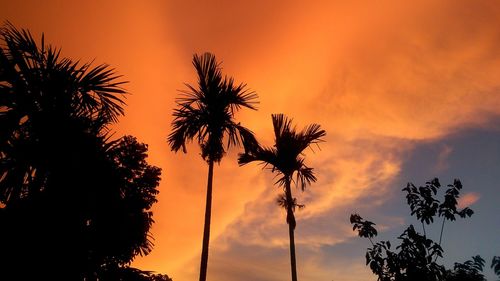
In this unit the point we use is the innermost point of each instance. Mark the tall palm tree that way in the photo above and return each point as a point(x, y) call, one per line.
point(287, 160)
point(206, 114)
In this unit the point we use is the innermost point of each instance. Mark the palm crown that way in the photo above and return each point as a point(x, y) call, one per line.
point(286, 156)
point(206, 113)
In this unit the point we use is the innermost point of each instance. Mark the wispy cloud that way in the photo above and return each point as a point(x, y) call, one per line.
point(467, 199)
point(442, 159)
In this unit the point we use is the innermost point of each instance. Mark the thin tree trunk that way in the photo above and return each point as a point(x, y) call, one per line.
point(292, 253)
point(291, 228)
point(440, 236)
point(206, 229)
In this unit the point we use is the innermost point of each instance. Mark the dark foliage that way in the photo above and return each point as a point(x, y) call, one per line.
point(416, 255)
point(413, 259)
point(423, 204)
point(114, 273)
point(495, 264)
point(365, 228)
point(470, 270)
point(72, 200)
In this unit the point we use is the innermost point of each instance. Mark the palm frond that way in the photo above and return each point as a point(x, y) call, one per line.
point(310, 135)
point(209, 73)
point(100, 91)
point(282, 127)
point(187, 124)
point(21, 41)
point(282, 202)
point(305, 176)
point(238, 96)
point(265, 155)
point(239, 135)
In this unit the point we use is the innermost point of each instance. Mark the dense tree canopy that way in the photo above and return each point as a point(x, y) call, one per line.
point(73, 200)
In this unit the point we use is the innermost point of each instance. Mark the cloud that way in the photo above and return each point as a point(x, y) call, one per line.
point(467, 199)
point(442, 159)
point(415, 80)
point(257, 241)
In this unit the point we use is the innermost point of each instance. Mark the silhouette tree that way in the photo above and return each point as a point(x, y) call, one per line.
point(131, 274)
point(286, 158)
point(42, 97)
point(416, 259)
point(470, 270)
point(72, 201)
point(206, 113)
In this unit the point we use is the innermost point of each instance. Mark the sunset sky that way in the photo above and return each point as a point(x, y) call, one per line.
point(406, 90)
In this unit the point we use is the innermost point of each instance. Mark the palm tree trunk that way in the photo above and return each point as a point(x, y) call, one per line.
point(292, 253)
point(290, 218)
point(206, 229)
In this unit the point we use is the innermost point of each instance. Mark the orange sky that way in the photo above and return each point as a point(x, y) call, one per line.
point(382, 77)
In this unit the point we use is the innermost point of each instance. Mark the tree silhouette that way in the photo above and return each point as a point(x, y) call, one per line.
point(130, 274)
point(286, 158)
point(470, 270)
point(417, 255)
point(206, 114)
point(42, 97)
point(72, 201)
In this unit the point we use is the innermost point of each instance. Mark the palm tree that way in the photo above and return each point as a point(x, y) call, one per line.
point(206, 114)
point(287, 160)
